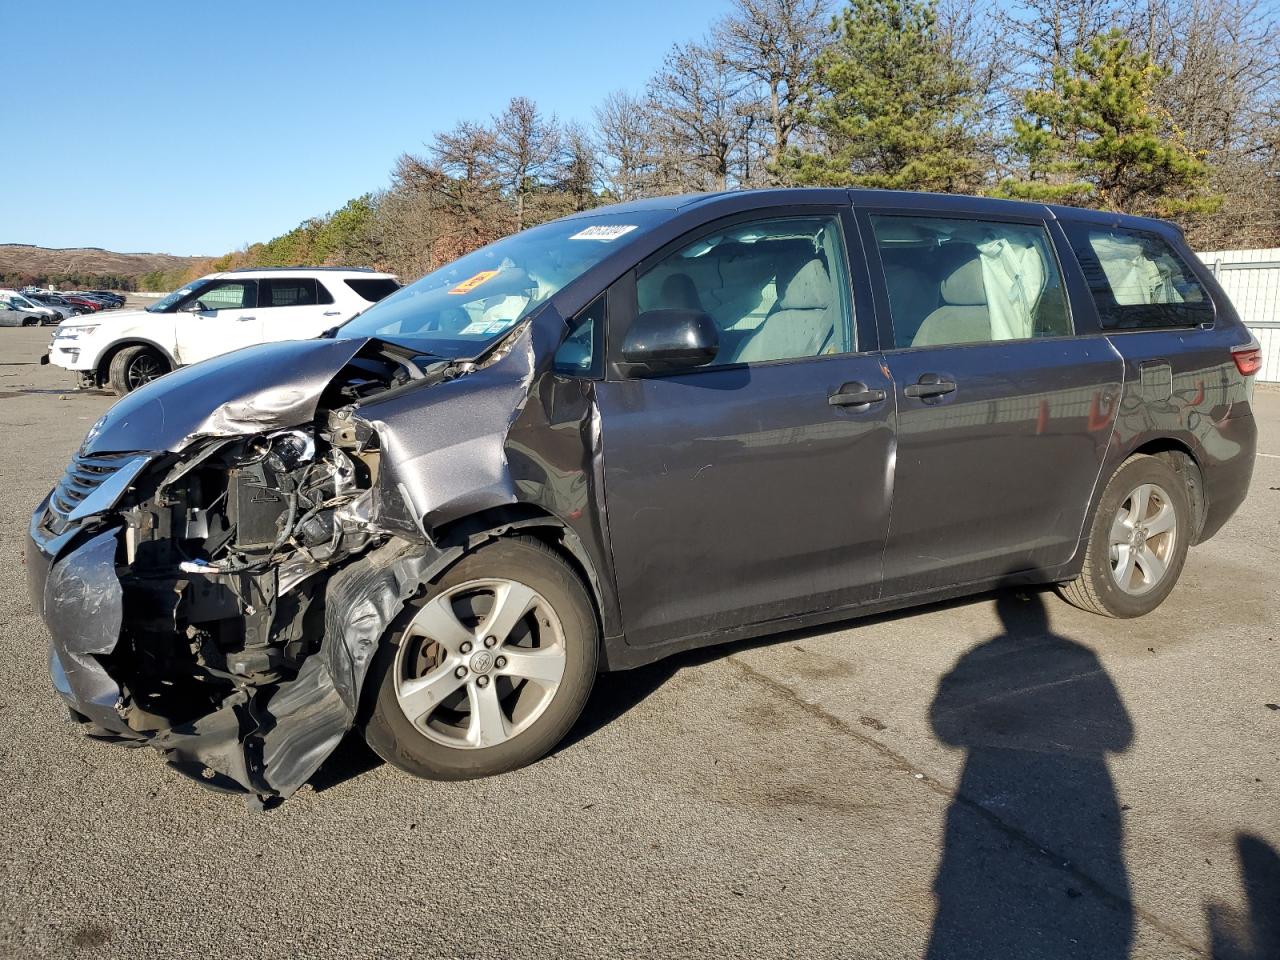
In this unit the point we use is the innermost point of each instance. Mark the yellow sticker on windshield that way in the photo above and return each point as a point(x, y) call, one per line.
point(466, 286)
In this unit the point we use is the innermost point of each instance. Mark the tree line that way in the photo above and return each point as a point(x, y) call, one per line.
point(72, 280)
point(1168, 108)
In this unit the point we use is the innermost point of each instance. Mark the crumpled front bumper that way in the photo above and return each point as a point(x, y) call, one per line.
point(265, 741)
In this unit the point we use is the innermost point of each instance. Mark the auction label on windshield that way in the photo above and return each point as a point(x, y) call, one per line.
point(466, 286)
point(602, 232)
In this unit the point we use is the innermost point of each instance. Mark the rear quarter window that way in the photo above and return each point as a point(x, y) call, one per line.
point(374, 288)
point(1138, 280)
point(287, 292)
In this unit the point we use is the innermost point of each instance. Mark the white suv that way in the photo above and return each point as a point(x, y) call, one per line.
point(213, 315)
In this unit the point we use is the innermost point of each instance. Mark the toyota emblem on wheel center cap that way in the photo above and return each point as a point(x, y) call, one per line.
point(481, 662)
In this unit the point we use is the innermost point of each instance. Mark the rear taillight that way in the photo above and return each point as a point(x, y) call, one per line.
point(1248, 358)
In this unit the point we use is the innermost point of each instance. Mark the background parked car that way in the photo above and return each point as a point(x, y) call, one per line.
point(13, 314)
point(211, 316)
point(62, 299)
point(109, 296)
point(106, 303)
point(45, 316)
point(55, 303)
point(89, 306)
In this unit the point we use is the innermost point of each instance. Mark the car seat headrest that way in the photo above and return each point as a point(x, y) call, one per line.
point(964, 287)
point(809, 289)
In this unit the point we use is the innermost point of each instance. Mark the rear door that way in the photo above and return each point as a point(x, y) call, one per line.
point(295, 308)
point(1004, 416)
point(752, 489)
point(227, 320)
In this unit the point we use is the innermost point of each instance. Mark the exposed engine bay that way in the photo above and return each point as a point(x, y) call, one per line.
point(221, 551)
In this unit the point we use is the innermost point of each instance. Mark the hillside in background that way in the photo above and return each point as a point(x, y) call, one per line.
point(90, 267)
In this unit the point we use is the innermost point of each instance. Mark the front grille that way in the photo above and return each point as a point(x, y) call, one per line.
point(84, 475)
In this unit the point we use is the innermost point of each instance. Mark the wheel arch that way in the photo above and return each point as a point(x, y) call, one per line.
point(103, 368)
point(1180, 455)
point(1175, 451)
point(531, 520)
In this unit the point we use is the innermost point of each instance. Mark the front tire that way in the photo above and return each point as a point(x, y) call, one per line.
point(489, 669)
point(1138, 542)
point(133, 367)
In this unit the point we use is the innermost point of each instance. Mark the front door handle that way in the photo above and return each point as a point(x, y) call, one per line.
point(243, 319)
point(930, 385)
point(333, 313)
point(855, 394)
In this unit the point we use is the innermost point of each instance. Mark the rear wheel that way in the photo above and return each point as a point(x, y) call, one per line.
point(134, 366)
point(1138, 542)
point(489, 669)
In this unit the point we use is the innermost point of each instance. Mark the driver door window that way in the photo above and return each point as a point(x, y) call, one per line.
point(775, 289)
point(229, 295)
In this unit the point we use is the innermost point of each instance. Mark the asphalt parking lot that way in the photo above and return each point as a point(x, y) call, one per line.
point(809, 796)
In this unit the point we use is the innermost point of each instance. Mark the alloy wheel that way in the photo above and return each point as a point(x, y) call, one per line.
point(1143, 536)
point(143, 369)
point(479, 663)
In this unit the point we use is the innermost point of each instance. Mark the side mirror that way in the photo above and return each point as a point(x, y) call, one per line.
point(664, 340)
point(195, 306)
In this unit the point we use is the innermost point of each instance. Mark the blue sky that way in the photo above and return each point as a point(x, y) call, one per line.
point(195, 128)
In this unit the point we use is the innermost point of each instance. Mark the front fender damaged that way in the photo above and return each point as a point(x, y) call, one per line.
point(226, 609)
point(270, 741)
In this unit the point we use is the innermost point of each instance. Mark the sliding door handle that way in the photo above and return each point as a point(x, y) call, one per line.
point(929, 385)
point(855, 394)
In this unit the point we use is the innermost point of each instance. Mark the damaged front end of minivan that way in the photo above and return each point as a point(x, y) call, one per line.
point(216, 583)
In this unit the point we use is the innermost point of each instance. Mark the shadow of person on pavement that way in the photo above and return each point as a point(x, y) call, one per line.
point(1033, 865)
point(1255, 936)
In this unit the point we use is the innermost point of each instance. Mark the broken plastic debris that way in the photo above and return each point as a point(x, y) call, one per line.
point(198, 566)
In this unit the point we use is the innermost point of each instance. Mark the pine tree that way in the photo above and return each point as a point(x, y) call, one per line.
point(1094, 135)
point(893, 105)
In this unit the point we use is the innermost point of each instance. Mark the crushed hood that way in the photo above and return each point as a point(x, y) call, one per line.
point(265, 387)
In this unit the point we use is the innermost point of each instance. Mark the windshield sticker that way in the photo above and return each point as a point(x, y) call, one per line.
point(466, 286)
point(485, 326)
point(602, 233)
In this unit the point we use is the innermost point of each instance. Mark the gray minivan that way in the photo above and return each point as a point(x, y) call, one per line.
point(633, 431)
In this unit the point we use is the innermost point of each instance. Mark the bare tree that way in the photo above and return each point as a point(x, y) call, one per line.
point(624, 138)
point(525, 148)
point(463, 178)
point(1045, 34)
point(1223, 58)
point(700, 119)
point(776, 44)
point(971, 34)
point(1219, 98)
point(465, 152)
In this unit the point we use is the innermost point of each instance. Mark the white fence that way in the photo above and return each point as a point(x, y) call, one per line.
point(1252, 281)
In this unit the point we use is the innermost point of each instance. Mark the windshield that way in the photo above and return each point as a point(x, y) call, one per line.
point(167, 301)
point(452, 312)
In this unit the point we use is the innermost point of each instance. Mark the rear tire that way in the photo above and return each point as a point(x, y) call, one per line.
point(1137, 544)
point(494, 663)
point(133, 367)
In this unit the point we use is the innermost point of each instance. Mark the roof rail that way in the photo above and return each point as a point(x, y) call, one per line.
point(300, 267)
